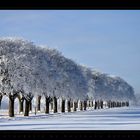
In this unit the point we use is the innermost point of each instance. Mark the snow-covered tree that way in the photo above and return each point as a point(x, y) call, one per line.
point(28, 71)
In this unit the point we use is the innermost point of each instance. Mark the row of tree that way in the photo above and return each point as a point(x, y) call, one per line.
point(66, 104)
point(28, 71)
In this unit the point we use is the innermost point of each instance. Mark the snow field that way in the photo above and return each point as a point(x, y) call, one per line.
point(104, 119)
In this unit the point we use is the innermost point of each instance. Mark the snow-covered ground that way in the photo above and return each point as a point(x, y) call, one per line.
point(107, 119)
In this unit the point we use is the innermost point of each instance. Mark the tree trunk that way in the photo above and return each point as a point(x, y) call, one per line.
point(55, 105)
point(47, 99)
point(75, 106)
point(27, 104)
point(69, 109)
point(63, 106)
point(101, 102)
point(89, 104)
point(11, 106)
point(21, 101)
point(38, 103)
point(92, 103)
point(112, 104)
point(81, 105)
point(85, 105)
point(119, 104)
point(30, 105)
point(98, 104)
point(71, 104)
point(127, 103)
point(0, 100)
point(95, 105)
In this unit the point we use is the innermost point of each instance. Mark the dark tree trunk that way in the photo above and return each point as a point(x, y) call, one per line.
point(38, 103)
point(89, 104)
point(95, 107)
point(81, 105)
point(101, 102)
point(92, 103)
point(21, 101)
point(0, 100)
point(107, 104)
point(127, 103)
point(75, 106)
point(117, 104)
point(63, 106)
point(69, 109)
point(30, 105)
point(111, 104)
point(85, 105)
point(71, 104)
point(27, 104)
point(55, 105)
point(98, 104)
point(47, 99)
point(11, 106)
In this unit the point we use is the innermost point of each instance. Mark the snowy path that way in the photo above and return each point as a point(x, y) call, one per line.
point(106, 119)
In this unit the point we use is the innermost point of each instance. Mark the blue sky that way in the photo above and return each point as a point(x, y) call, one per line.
point(107, 40)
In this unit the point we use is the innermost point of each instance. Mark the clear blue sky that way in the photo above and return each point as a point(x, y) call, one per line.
point(107, 40)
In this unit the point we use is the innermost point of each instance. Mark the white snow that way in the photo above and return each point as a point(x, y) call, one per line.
point(106, 119)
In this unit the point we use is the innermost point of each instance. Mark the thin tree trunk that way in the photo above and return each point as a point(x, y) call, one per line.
point(92, 103)
point(30, 105)
point(95, 107)
point(11, 106)
point(117, 104)
point(47, 99)
point(71, 104)
point(89, 104)
point(0, 100)
point(38, 103)
point(63, 106)
point(27, 104)
point(85, 105)
point(98, 104)
point(101, 102)
point(75, 106)
point(112, 104)
point(55, 105)
point(81, 105)
point(69, 109)
point(21, 101)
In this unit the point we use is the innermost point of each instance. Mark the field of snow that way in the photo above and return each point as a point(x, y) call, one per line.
point(107, 119)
